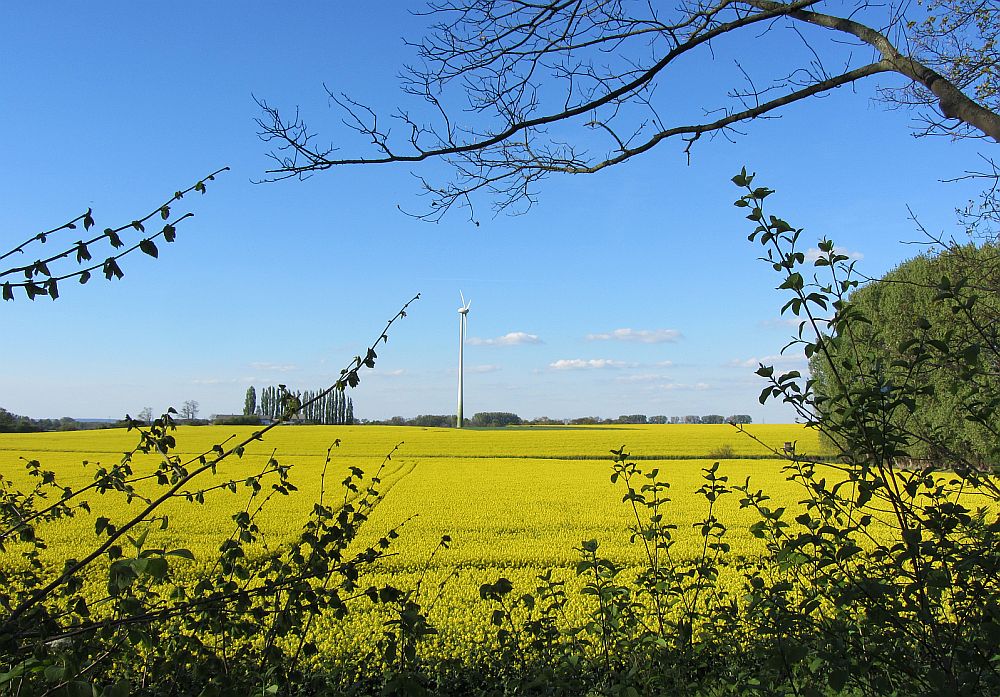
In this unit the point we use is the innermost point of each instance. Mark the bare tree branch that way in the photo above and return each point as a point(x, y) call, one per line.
point(527, 71)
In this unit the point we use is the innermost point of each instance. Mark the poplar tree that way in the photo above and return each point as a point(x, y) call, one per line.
point(250, 403)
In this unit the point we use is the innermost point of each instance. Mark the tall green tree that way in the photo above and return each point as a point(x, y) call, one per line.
point(250, 403)
point(918, 311)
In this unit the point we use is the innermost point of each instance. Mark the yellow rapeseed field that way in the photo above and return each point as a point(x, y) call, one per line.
point(515, 502)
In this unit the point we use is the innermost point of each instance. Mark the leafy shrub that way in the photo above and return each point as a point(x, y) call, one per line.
point(723, 452)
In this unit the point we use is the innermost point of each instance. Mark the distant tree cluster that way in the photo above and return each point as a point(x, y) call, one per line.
point(424, 420)
point(335, 408)
point(236, 420)
point(495, 419)
point(484, 419)
point(433, 420)
point(14, 423)
point(660, 419)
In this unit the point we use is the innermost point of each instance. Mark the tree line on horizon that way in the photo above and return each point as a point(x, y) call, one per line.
point(492, 419)
point(15, 423)
point(336, 410)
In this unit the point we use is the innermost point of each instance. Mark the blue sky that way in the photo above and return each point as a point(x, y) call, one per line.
point(631, 291)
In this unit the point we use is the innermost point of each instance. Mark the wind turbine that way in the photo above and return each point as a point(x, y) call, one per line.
point(463, 313)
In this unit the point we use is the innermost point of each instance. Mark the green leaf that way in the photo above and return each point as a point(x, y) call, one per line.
point(113, 237)
point(169, 233)
point(111, 269)
point(795, 652)
point(838, 679)
point(148, 247)
point(54, 673)
point(764, 394)
point(82, 253)
point(156, 567)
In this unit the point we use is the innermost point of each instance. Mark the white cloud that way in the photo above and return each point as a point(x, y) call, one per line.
point(274, 367)
point(813, 253)
point(671, 386)
point(641, 377)
point(642, 336)
point(778, 360)
point(386, 373)
point(483, 368)
point(220, 381)
point(593, 363)
point(663, 364)
point(511, 339)
point(781, 323)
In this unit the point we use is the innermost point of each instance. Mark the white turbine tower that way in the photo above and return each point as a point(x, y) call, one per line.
point(463, 313)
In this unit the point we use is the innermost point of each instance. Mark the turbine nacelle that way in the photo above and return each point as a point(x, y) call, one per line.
point(464, 310)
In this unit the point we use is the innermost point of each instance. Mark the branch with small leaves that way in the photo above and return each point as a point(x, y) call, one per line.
point(40, 279)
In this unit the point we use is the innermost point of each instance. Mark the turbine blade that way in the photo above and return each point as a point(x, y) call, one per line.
point(463, 298)
point(468, 305)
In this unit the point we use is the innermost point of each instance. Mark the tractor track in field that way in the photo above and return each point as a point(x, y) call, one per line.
point(388, 481)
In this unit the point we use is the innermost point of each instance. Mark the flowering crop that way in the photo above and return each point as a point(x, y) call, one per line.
point(514, 502)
